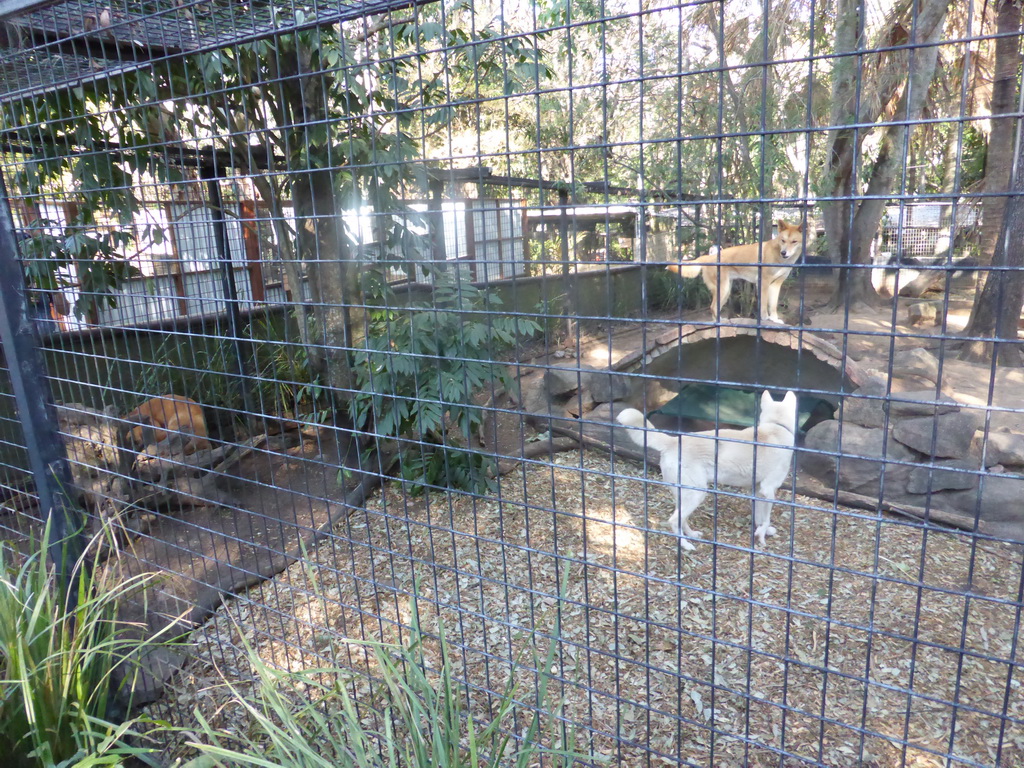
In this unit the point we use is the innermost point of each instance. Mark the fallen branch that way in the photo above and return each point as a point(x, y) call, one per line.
point(809, 486)
point(579, 434)
point(547, 447)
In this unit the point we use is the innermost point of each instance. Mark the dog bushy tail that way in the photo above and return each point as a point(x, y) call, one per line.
point(635, 420)
point(692, 268)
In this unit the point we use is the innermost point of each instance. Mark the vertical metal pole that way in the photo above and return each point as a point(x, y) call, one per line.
point(227, 277)
point(47, 458)
point(471, 243)
point(435, 215)
point(563, 234)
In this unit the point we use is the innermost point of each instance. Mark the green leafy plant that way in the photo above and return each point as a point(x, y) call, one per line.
point(419, 717)
point(668, 291)
point(57, 657)
point(420, 370)
point(280, 376)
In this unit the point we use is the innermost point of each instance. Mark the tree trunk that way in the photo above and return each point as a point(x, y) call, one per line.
point(999, 153)
point(997, 307)
point(988, 316)
point(320, 237)
point(850, 245)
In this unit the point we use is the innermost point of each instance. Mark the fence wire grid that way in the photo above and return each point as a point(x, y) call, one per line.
point(341, 313)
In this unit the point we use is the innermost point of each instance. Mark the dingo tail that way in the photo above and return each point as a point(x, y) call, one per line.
point(636, 423)
point(693, 267)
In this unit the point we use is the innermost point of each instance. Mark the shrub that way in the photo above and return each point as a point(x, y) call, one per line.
point(669, 291)
point(297, 719)
point(420, 370)
point(58, 651)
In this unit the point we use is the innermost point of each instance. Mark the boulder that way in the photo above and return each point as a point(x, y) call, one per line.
point(923, 313)
point(560, 381)
point(97, 463)
point(916, 362)
point(605, 413)
point(536, 401)
point(922, 402)
point(952, 434)
point(1006, 448)
point(867, 406)
point(921, 283)
point(864, 406)
point(948, 475)
point(608, 387)
point(866, 452)
point(580, 402)
point(1000, 501)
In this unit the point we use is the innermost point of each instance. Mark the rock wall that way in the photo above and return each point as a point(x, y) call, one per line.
point(923, 452)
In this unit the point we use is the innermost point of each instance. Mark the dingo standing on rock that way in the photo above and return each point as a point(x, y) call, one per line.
point(768, 264)
point(688, 461)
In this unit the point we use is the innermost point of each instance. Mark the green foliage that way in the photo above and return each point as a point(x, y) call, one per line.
point(278, 373)
point(308, 719)
point(421, 368)
point(56, 663)
point(89, 248)
point(667, 291)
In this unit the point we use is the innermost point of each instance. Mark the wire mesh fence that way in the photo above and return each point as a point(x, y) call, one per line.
point(371, 321)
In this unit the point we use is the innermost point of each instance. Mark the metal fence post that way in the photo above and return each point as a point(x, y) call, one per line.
point(47, 458)
point(227, 276)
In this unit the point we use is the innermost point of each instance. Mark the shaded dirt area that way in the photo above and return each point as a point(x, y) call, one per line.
point(839, 642)
point(276, 503)
point(853, 639)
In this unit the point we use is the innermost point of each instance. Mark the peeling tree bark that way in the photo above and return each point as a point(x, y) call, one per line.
point(997, 303)
point(851, 227)
point(999, 152)
point(997, 307)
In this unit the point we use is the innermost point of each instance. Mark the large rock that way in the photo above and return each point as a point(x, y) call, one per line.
point(580, 402)
point(1006, 448)
point(948, 475)
point(952, 434)
point(865, 453)
point(923, 313)
point(868, 405)
point(865, 406)
point(608, 387)
point(920, 403)
point(535, 399)
point(97, 464)
point(999, 506)
point(916, 362)
point(564, 380)
point(921, 283)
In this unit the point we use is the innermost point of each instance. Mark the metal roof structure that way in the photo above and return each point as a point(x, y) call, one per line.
point(47, 46)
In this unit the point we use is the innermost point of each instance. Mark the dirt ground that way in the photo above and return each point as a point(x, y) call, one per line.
point(851, 640)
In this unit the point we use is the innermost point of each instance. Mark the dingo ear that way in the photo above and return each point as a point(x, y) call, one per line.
point(790, 398)
point(766, 400)
point(783, 224)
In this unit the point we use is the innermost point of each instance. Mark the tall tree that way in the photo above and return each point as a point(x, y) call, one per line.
point(996, 304)
point(999, 153)
point(893, 85)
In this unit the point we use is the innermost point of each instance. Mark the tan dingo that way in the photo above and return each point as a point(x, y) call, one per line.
point(169, 418)
point(691, 463)
point(769, 263)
